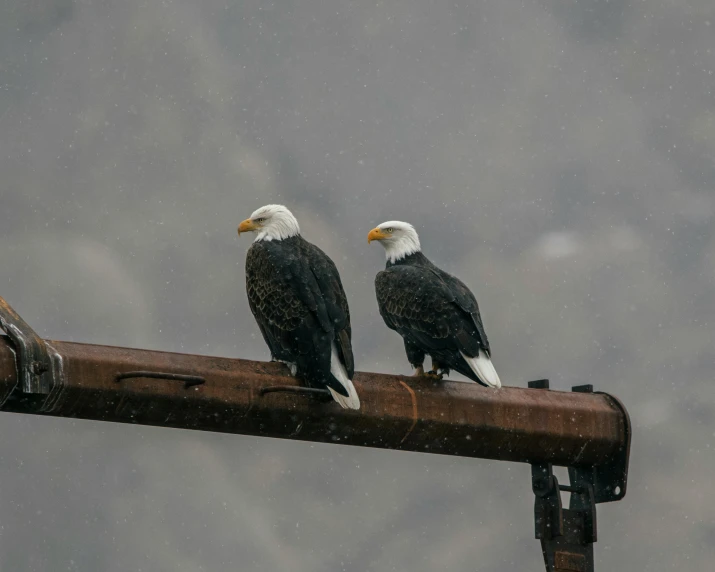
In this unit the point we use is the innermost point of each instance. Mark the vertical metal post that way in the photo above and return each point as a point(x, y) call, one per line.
point(567, 535)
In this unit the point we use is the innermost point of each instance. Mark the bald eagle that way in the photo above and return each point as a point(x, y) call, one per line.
point(296, 296)
point(433, 311)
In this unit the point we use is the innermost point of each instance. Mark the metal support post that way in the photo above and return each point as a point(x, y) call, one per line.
point(567, 535)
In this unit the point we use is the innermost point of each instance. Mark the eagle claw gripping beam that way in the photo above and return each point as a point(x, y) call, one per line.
point(567, 535)
point(34, 363)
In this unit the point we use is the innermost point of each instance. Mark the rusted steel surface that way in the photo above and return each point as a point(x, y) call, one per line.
point(514, 424)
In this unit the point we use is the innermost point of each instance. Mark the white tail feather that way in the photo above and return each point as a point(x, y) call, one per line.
point(484, 369)
point(352, 401)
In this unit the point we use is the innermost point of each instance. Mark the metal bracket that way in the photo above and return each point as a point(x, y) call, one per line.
point(609, 481)
point(189, 380)
point(310, 392)
point(34, 364)
point(567, 535)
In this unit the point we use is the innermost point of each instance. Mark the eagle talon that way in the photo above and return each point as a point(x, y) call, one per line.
point(432, 374)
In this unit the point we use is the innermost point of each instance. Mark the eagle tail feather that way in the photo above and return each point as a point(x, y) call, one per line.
point(337, 369)
point(483, 368)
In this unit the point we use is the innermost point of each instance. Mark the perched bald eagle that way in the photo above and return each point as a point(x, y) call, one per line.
point(434, 312)
point(296, 296)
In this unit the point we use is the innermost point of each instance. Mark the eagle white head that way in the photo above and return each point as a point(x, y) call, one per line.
point(271, 222)
point(399, 239)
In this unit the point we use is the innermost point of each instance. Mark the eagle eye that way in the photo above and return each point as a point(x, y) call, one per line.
point(389, 230)
point(261, 219)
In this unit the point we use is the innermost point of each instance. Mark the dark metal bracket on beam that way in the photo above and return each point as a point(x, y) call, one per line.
point(34, 364)
point(310, 392)
point(189, 380)
point(567, 535)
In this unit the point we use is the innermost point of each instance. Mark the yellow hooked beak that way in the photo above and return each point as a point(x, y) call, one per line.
point(376, 234)
point(246, 226)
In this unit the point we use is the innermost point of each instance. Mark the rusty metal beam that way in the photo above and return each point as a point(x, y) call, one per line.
point(587, 432)
point(404, 413)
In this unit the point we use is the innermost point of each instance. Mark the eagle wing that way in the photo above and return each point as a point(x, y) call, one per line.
point(466, 300)
point(327, 279)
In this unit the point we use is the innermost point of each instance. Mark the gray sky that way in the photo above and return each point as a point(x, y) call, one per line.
point(559, 158)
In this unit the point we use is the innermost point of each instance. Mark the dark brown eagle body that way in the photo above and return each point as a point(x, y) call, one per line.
point(433, 311)
point(295, 294)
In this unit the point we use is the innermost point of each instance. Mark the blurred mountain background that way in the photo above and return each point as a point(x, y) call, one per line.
point(558, 156)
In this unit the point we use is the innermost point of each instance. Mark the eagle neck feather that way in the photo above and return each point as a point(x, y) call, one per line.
point(402, 248)
point(414, 259)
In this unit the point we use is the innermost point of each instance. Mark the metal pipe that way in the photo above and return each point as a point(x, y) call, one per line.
point(450, 418)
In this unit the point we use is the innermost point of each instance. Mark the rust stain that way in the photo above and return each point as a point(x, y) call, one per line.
point(565, 561)
point(414, 410)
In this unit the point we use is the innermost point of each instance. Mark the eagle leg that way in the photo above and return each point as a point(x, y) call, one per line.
point(310, 392)
point(436, 372)
point(420, 372)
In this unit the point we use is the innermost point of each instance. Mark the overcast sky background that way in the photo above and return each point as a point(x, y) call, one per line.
point(558, 157)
